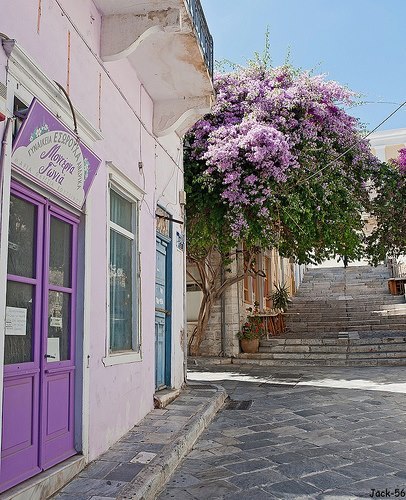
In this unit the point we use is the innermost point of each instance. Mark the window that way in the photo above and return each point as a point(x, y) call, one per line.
point(123, 275)
point(251, 289)
point(267, 283)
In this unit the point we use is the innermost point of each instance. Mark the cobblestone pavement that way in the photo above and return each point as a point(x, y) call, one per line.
point(302, 433)
point(140, 461)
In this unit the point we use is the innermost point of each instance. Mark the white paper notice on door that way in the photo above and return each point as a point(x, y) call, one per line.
point(16, 320)
point(53, 349)
point(55, 322)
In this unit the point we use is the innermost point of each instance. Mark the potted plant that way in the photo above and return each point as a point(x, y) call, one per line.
point(251, 331)
point(280, 300)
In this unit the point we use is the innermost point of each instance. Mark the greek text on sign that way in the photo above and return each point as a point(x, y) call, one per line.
point(52, 156)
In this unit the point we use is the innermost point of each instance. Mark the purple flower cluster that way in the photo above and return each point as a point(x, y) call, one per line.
point(266, 126)
point(402, 160)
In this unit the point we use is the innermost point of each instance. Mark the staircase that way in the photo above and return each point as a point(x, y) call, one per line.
point(340, 317)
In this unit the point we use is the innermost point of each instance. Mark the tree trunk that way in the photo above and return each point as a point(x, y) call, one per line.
point(202, 322)
point(209, 272)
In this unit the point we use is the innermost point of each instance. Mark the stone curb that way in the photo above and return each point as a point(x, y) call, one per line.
point(151, 480)
point(203, 361)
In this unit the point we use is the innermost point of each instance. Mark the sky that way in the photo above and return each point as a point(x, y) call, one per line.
point(359, 43)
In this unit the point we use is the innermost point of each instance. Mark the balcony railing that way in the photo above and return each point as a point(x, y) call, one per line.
point(203, 33)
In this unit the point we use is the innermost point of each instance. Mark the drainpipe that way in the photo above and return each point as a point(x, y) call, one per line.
point(185, 339)
point(4, 210)
point(4, 143)
point(223, 315)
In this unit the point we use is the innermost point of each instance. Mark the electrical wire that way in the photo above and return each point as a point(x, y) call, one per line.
point(379, 102)
point(355, 143)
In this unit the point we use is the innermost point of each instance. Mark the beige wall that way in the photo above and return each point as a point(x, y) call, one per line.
point(386, 144)
point(392, 152)
point(237, 301)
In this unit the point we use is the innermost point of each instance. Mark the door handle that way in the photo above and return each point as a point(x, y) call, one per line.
point(49, 356)
point(164, 311)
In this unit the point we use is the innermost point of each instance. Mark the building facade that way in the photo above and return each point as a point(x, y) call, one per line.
point(231, 310)
point(385, 146)
point(95, 97)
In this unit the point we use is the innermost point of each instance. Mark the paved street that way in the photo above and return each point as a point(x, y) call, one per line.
point(300, 433)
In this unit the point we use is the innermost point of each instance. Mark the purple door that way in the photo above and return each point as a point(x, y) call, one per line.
point(38, 397)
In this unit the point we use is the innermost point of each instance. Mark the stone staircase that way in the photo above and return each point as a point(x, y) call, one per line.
point(340, 317)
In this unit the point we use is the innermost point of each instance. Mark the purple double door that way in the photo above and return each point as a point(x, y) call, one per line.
point(38, 396)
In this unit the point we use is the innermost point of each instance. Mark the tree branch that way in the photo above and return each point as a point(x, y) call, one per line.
point(194, 279)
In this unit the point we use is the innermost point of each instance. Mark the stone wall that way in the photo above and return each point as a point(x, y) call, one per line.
point(236, 309)
point(212, 345)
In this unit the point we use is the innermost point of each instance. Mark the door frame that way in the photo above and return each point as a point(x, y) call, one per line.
point(46, 208)
point(33, 368)
point(49, 369)
point(168, 301)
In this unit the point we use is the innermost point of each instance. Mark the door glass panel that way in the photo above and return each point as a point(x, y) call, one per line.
point(160, 301)
point(121, 292)
point(19, 323)
point(60, 253)
point(21, 238)
point(59, 326)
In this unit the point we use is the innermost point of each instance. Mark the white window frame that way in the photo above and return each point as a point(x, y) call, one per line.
point(132, 193)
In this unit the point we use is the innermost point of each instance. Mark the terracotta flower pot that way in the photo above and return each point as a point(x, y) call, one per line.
point(249, 345)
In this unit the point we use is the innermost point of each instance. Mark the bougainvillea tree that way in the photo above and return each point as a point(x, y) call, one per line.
point(277, 163)
point(389, 208)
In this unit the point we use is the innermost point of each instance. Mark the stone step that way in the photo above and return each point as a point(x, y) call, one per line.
point(323, 293)
point(342, 348)
point(317, 341)
point(343, 336)
point(336, 314)
point(341, 309)
point(334, 355)
point(350, 328)
point(370, 282)
point(397, 350)
point(326, 314)
point(342, 323)
point(335, 333)
point(343, 302)
point(349, 276)
point(351, 317)
point(339, 290)
point(334, 301)
point(263, 361)
point(376, 283)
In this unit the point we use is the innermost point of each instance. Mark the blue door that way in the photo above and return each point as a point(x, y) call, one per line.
point(162, 315)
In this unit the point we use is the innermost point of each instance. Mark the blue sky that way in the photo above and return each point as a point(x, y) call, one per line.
point(359, 43)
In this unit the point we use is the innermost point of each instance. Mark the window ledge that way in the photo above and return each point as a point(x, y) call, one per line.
point(122, 358)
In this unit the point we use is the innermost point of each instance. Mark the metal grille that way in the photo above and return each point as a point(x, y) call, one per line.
point(162, 222)
point(238, 405)
point(203, 33)
point(3, 90)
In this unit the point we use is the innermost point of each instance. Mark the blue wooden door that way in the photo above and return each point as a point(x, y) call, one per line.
point(162, 304)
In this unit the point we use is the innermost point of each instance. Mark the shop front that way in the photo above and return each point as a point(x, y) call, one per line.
point(52, 171)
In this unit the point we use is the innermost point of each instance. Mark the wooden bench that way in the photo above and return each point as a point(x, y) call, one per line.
point(396, 286)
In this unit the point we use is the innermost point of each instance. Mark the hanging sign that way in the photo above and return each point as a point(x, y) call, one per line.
point(52, 156)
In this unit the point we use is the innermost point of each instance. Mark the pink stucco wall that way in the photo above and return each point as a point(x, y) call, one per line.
point(119, 396)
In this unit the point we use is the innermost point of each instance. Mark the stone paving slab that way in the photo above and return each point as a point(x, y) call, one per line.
point(140, 463)
point(352, 440)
